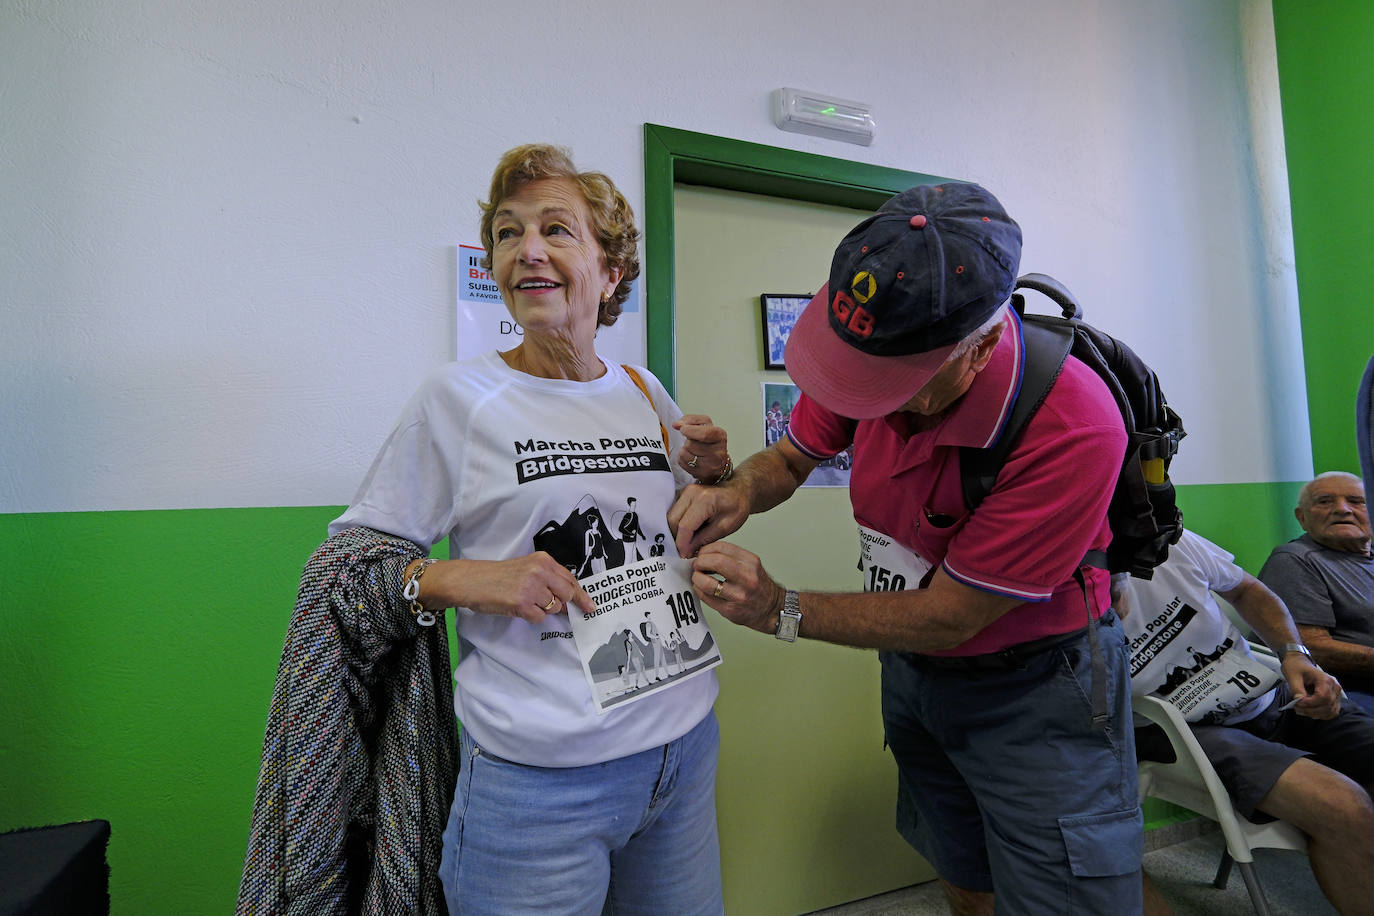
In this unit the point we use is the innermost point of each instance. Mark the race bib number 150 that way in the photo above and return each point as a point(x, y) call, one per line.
point(888, 566)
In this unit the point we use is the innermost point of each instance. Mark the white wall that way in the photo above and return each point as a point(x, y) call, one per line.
point(227, 230)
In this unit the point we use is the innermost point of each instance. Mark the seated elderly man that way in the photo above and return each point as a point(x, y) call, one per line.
point(1326, 577)
point(1281, 744)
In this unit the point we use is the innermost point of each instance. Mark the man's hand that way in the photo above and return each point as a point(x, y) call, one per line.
point(1121, 595)
point(1317, 695)
point(704, 514)
point(732, 580)
point(948, 613)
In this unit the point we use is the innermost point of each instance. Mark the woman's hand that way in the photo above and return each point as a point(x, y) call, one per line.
point(703, 455)
point(530, 587)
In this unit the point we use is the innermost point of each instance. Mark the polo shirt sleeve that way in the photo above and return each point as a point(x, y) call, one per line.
point(1294, 580)
point(819, 433)
point(1046, 511)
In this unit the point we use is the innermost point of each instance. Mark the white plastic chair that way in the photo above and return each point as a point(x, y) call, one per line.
point(1191, 782)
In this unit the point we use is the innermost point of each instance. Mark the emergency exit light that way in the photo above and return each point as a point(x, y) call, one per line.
point(822, 116)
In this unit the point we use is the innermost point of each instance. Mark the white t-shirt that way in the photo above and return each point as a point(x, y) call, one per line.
point(504, 464)
point(1184, 648)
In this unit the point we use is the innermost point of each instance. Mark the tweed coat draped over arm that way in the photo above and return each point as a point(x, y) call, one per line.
point(358, 762)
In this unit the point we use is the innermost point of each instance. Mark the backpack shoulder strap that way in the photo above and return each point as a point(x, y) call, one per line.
point(644, 389)
point(1047, 345)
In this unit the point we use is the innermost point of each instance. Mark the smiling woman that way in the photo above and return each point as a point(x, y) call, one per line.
point(536, 189)
point(553, 276)
point(495, 454)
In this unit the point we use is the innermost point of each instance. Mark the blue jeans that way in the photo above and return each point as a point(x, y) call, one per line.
point(635, 835)
point(1005, 786)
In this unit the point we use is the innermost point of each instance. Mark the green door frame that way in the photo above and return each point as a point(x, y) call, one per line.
point(672, 155)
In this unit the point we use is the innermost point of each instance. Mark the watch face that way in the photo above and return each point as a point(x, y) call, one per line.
point(787, 628)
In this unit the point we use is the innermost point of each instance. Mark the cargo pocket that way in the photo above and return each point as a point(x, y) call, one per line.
point(1104, 845)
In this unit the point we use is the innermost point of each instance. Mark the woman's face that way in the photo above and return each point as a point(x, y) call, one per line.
point(547, 261)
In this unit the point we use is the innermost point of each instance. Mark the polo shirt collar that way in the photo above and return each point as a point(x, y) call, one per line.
point(978, 418)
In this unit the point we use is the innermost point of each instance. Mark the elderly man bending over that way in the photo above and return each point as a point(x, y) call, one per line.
point(1326, 577)
point(1016, 770)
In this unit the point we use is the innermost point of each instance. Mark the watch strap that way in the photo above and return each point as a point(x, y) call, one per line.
point(1289, 647)
point(789, 618)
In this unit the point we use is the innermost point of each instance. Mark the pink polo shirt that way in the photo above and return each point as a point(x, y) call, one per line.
point(1047, 509)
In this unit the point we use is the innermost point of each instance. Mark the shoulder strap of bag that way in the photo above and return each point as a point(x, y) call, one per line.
point(1046, 349)
point(644, 389)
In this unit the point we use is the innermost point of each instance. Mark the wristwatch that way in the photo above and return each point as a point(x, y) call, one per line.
point(1293, 647)
point(789, 620)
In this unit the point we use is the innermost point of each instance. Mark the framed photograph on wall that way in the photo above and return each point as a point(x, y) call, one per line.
point(778, 401)
point(780, 311)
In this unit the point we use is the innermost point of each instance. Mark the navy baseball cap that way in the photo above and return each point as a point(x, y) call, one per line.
point(906, 286)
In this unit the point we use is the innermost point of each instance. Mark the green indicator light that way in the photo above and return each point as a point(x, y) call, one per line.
point(828, 110)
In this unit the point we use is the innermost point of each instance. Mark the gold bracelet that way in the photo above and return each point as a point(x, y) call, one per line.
point(411, 592)
point(725, 474)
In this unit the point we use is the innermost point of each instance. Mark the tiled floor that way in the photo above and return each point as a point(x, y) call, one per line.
point(1183, 873)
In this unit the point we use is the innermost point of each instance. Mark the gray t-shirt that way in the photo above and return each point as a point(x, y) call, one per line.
point(1324, 588)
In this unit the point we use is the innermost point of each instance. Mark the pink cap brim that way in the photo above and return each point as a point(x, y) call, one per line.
point(848, 381)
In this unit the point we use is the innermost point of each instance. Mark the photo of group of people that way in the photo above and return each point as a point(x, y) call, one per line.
point(778, 401)
point(780, 313)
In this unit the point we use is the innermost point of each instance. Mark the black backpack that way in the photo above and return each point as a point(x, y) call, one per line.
point(1144, 516)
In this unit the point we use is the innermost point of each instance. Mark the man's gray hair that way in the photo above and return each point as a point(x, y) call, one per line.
point(976, 336)
point(1305, 494)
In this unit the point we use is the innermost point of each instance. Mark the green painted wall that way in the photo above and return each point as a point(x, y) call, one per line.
point(1326, 80)
point(1247, 519)
point(137, 654)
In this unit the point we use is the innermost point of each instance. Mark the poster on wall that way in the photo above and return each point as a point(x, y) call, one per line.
point(485, 324)
point(778, 401)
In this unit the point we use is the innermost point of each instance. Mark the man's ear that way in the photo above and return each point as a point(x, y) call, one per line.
point(983, 352)
point(1301, 517)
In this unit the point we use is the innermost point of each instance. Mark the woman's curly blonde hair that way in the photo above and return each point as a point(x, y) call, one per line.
point(613, 220)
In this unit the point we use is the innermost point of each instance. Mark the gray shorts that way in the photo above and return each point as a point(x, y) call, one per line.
point(1004, 785)
point(1250, 757)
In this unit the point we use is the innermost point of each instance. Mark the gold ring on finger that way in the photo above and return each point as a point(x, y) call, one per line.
point(693, 462)
point(720, 587)
point(553, 600)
